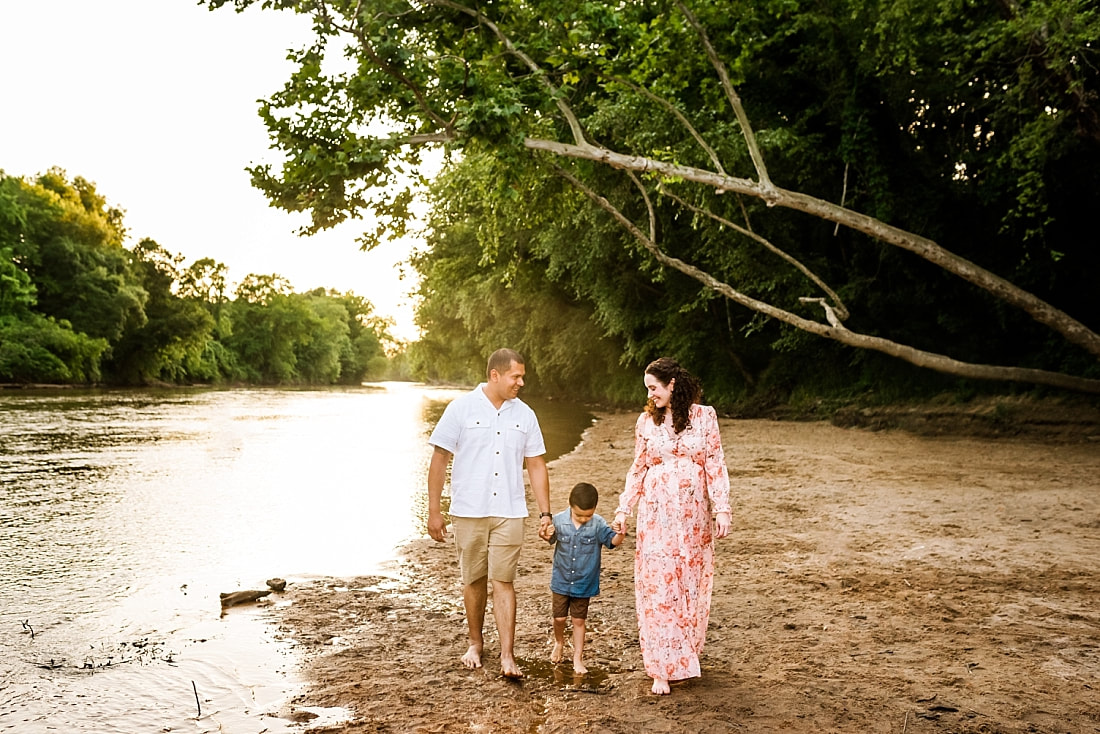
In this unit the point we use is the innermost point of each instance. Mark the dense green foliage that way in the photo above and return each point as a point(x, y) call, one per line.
point(76, 306)
point(973, 124)
point(476, 295)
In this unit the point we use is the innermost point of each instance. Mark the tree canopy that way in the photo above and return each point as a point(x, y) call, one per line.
point(77, 306)
point(909, 178)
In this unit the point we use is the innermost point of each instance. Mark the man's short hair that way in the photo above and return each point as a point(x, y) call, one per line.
point(584, 496)
point(501, 360)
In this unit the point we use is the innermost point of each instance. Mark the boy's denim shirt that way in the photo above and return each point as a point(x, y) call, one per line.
point(577, 555)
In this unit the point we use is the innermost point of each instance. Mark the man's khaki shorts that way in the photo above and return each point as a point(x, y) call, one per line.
point(488, 546)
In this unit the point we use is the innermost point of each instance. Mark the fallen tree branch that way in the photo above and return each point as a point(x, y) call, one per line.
point(841, 309)
point(767, 188)
point(1073, 330)
point(837, 331)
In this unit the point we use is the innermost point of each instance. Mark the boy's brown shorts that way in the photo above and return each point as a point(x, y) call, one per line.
point(569, 606)
point(488, 546)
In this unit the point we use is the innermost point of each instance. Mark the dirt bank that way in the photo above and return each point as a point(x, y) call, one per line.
point(873, 582)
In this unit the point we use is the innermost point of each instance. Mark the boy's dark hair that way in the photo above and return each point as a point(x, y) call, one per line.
point(583, 496)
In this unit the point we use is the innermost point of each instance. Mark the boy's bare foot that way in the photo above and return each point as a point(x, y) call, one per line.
point(660, 687)
point(509, 669)
point(472, 658)
point(556, 653)
point(578, 667)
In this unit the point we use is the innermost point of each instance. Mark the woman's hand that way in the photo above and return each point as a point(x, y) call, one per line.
point(721, 525)
point(619, 523)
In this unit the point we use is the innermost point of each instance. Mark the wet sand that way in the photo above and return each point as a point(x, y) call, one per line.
point(874, 581)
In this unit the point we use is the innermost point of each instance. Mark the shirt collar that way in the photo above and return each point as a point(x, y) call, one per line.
point(503, 406)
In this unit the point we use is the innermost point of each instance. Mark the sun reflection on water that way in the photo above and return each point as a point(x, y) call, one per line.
point(124, 514)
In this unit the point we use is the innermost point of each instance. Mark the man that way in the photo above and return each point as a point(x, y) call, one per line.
point(490, 433)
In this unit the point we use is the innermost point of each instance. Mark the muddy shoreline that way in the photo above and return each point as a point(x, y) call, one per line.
point(876, 581)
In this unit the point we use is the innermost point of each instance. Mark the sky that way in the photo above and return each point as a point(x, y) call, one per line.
point(155, 101)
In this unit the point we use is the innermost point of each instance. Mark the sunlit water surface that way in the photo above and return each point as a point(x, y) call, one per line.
point(124, 514)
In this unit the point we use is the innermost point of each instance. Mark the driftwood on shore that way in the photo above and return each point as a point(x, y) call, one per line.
point(232, 598)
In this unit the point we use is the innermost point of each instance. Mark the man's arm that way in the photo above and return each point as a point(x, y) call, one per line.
point(540, 487)
point(437, 475)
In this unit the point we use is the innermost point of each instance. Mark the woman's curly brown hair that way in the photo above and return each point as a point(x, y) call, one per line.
point(686, 391)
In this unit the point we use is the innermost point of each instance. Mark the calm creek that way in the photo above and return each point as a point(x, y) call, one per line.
point(124, 514)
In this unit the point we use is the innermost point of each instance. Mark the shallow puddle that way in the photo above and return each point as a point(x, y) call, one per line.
point(562, 676)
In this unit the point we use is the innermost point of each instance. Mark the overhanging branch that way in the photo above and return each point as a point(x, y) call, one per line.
point(838, 306)
point(1073, 330)
point(563, 106)
point(836, 330)
point(735, 103)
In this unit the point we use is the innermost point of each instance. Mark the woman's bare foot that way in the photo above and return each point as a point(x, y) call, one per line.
point(660, 687)
point(556, 653)
point(509, 668)
point(578, 667)
point(472, 658)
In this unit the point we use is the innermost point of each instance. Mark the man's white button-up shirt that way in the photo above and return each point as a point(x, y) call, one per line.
point(489, 447)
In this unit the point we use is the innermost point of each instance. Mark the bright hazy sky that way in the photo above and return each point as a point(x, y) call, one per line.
point(155, 102)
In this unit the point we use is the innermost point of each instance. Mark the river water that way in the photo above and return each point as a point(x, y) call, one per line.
point(124, 514)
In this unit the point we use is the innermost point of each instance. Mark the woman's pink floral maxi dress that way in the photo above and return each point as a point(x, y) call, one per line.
point(674, 481)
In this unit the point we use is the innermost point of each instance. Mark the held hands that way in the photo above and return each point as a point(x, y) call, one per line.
point(546, 528)
point(619, 523)
point(721, 525)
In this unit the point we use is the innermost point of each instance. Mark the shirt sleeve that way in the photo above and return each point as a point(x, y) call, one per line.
point(536, 445)
point(446, 432)
point(636, 476)
point(718, 479)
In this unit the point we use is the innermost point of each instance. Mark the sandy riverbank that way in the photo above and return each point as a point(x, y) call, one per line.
point(873, 582)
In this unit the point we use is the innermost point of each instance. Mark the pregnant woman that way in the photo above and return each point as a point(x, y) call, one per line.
point(678, 479)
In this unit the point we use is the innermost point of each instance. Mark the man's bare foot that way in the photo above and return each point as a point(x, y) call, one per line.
point(556, 653)
point(509, 669)
point(660, 687)
point(578, 667)
point(472, 658)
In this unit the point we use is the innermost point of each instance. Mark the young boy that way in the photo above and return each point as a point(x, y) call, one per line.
point(579, 534)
